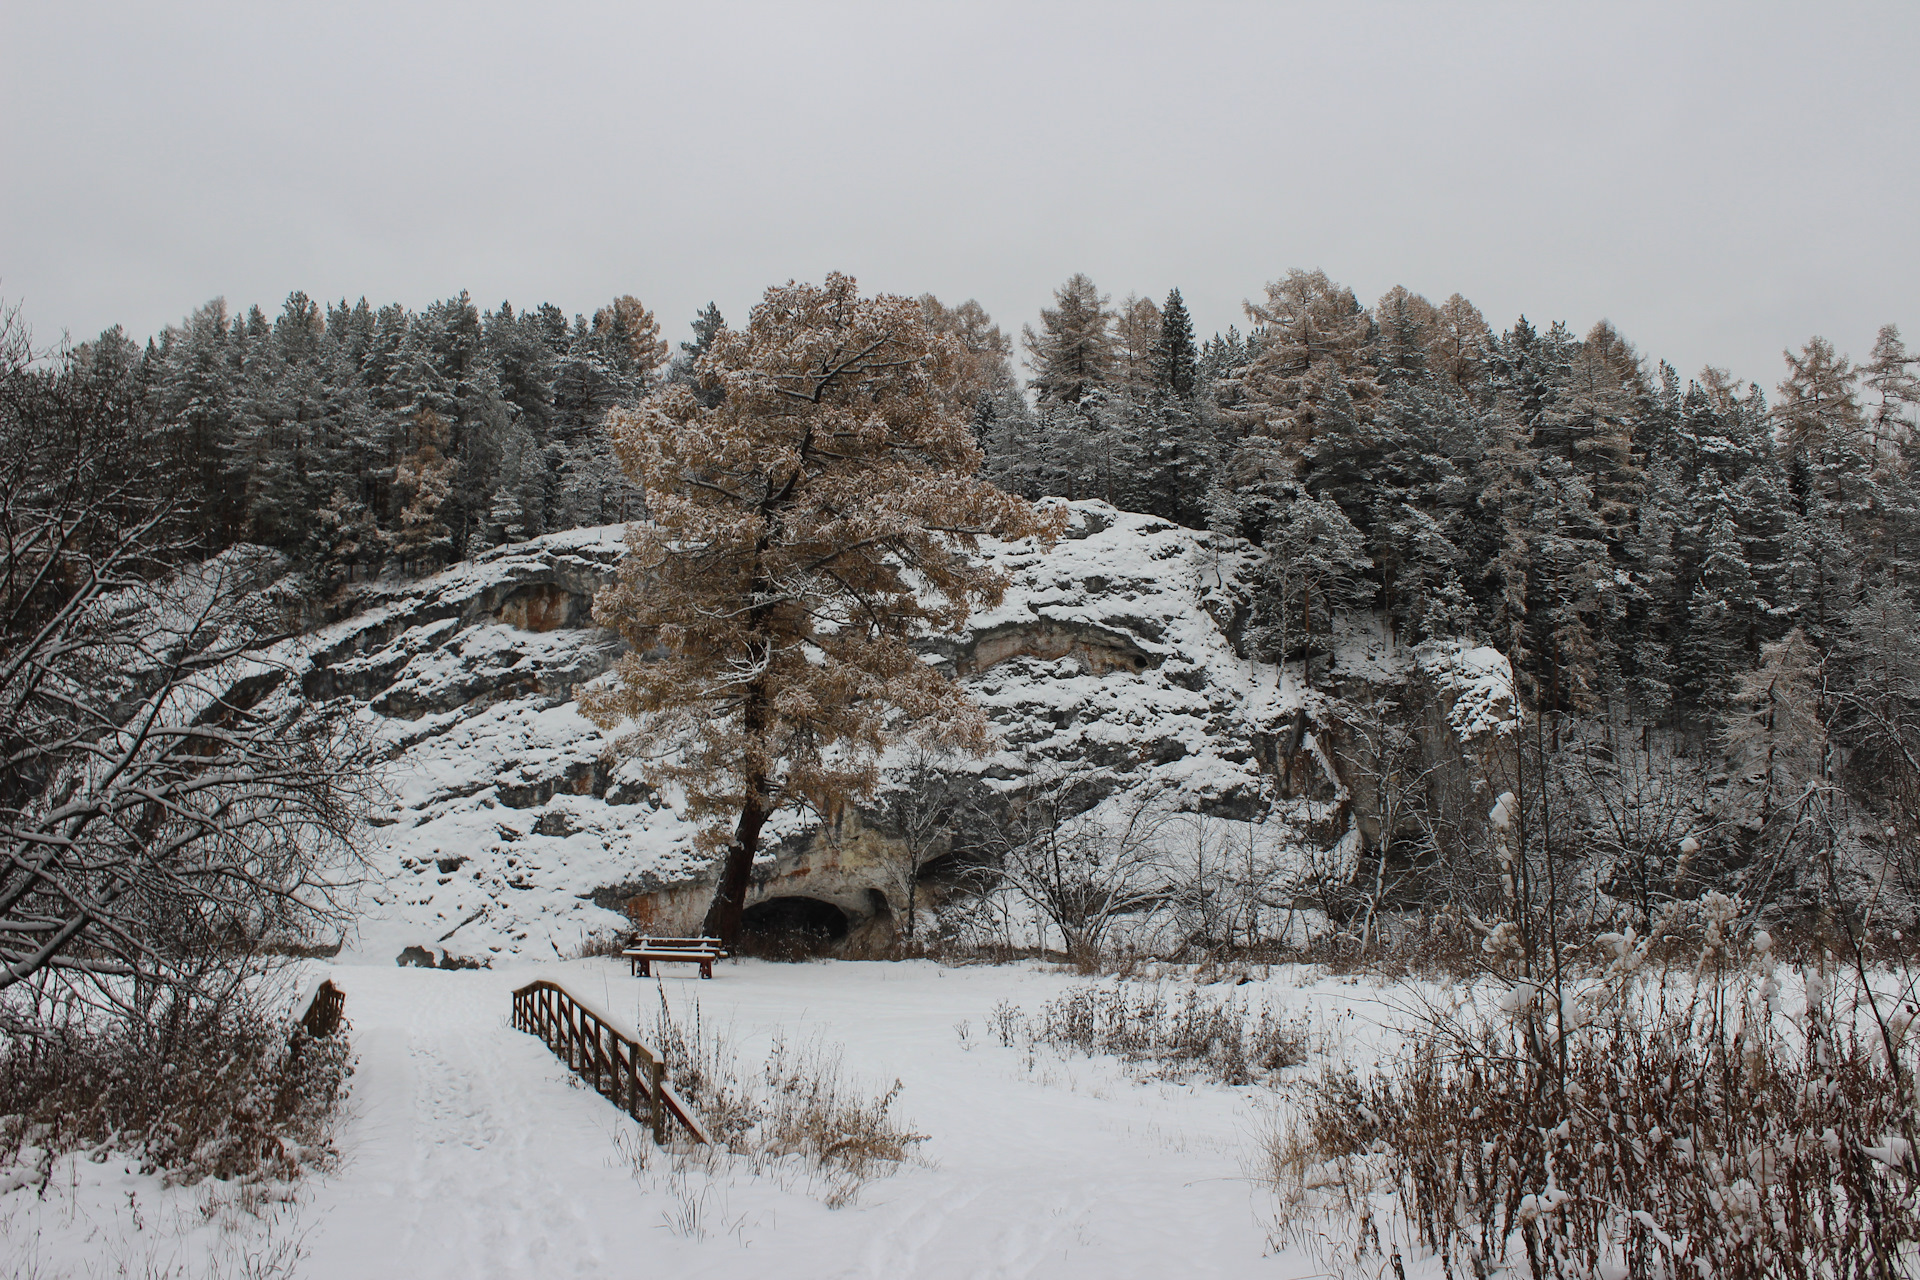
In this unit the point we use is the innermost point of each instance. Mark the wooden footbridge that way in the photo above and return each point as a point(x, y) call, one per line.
point(620, 1068)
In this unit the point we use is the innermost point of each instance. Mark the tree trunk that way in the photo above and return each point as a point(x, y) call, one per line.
point(730, 895)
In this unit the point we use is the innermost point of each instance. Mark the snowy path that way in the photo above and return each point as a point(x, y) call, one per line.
point(470, 1155)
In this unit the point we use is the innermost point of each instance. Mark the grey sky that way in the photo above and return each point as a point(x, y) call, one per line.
point(1720, 181)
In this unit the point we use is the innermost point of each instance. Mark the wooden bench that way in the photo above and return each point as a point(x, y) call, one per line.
point(700, 951)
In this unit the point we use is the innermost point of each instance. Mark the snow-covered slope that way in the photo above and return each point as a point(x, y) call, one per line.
point(507, 832)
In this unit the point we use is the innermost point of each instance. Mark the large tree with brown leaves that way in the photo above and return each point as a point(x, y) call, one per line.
point(805, 531)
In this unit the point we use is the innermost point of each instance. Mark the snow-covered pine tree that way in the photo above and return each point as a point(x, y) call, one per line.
point(684, 369)
point(1315, 570)
point(1721, 618)
point(1175, 455)
point(1176, 358)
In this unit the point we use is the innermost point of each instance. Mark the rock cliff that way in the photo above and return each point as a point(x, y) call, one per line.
point(506, 830)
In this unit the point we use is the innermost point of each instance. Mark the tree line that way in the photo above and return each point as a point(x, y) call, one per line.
point(361, 439)
point(1631, 538)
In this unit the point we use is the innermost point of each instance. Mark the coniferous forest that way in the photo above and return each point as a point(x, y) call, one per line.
point(1633, 535)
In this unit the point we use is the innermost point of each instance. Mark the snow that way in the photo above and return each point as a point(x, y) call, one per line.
point(467, 1151)
point(1480, 682)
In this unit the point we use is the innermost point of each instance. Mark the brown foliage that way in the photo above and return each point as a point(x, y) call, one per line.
point(806, 531)
point(199, 1090)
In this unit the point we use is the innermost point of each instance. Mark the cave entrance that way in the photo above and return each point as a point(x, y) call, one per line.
point(791, 928)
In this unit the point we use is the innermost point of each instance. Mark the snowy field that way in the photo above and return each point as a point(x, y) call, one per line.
point(468, 1153)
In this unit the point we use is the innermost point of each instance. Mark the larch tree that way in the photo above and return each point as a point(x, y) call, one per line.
point(987, 368)
point(1459, 343)
point(806, 529)
point(1072, 353)
point(1890, 379)
point(1136, 332)
point(1819, 407)
point(1313, 335)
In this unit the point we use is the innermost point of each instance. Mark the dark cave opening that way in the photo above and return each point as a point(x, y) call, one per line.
point(783, 928)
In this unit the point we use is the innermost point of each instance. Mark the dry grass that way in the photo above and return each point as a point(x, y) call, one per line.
point(1215, 1036)
point(801, 1107)
point(1687, 1123)
point(603, 942)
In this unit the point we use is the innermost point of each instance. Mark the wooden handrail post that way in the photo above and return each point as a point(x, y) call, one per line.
point(659, 1101)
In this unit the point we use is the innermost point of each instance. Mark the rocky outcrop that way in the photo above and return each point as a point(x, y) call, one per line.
point(510, 828)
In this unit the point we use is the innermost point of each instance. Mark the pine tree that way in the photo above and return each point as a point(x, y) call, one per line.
point(342, 538)
point(1316, 562)
point(1720, 619)
point(685, 368)
point(196, 395)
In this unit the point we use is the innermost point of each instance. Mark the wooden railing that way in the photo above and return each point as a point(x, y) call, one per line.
point(620, 1068)
point(321, 1017)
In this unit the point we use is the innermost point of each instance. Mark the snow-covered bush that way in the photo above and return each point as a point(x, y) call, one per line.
point(1216, 1037)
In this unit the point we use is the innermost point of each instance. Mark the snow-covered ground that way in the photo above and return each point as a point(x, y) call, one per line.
point(468, 1153)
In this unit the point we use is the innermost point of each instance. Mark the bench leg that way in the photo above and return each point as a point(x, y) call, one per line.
point(646, 968)
point(706, 968)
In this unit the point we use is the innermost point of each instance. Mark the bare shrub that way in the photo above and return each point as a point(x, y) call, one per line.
point(816, 1113)
point(1220, 879)
point(601, 942)
point(1080, 865)
point(1216, 1037)
point(1688, 1124)
point(202, 1090)
point(801, 1105)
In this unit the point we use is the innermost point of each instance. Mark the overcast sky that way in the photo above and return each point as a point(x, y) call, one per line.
point(1720, 181)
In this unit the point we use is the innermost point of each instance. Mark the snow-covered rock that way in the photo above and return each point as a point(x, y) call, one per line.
point(507, 830)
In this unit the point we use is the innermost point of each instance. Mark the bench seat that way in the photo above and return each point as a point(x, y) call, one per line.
point(646, 951)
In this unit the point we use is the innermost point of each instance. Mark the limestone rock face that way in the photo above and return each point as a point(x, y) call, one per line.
point(509, 829)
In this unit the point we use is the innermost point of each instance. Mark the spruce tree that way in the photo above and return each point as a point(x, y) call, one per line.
point(1176, 357)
